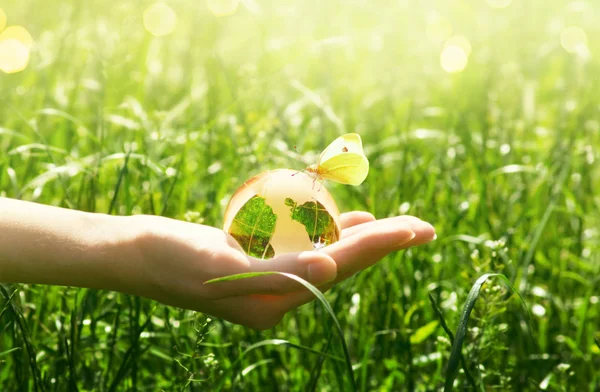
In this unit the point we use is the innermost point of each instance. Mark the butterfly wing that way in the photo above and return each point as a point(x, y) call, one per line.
point(348, 143)
point(344, 161)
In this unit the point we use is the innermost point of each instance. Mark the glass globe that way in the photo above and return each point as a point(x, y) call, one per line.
point(282, 211)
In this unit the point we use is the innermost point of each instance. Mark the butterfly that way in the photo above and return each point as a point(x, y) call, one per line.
point(342, 161)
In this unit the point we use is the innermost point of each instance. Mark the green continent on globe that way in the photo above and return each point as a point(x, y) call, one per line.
point(253, 227)
point(319, 224)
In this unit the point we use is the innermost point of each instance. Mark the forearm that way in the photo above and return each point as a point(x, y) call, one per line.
point(50, 245)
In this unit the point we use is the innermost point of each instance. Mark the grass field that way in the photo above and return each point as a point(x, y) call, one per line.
point(495, 141)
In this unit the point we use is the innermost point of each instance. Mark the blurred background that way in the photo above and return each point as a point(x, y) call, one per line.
point(480, 116)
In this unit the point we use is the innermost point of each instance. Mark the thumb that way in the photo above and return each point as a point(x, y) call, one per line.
point(315, 267)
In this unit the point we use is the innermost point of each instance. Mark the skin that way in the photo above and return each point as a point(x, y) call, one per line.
point(169, 260)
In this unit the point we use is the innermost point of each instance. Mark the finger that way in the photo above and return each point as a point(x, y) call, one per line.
point(354, 218)
point(358, 228)
point(373, 242)
point(423, 231)
point(266, 311)
point(314, 267)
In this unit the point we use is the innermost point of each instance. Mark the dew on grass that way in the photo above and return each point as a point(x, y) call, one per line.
point(539, 291)
point(404, 208)
point(538, 310)
point(355, 304)
point(170, 172)
point(214, 168)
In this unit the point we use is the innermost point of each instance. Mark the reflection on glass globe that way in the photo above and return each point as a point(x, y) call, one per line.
point(282, 211)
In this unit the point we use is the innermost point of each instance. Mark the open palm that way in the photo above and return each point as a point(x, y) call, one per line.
point(178, 257)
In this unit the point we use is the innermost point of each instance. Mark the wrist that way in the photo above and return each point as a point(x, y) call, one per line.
point(115, 257)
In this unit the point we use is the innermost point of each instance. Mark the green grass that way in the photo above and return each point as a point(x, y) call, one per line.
point(501, 158)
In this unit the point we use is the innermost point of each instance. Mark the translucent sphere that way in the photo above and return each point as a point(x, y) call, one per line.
point(282, 211)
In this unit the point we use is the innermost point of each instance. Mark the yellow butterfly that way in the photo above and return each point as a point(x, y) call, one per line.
point(342, 161)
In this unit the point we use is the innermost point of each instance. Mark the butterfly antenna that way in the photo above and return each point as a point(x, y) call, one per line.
point(302, 158)
point(299, 171)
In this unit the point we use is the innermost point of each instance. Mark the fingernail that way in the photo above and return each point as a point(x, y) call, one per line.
point(408, 239)
point(319, 273)
point(422, 227)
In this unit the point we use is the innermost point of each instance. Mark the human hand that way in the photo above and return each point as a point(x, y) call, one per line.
point(176, 258)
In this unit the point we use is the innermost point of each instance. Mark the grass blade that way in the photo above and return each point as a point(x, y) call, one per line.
point(315, 373)
point(122, 174)
point(31, 353)
point(276, 342)
point(2, 354)
point(317, 294)
point(464, 319)
point(440, 316)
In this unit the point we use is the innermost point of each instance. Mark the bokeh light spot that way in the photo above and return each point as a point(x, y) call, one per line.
point(2, 20)
point(461, 41)
point(574, 40)
point(538, 310)
point(14, 56)
point(223, 7)
point(160, 20)
point(18, 33)
point(499, 3)
point(453, 59)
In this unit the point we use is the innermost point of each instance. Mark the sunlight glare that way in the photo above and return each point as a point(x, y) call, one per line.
point(160, 20)
point(14, 56)
point(223, 7)
point(574, 40)
point(499, 3)
point(453, 59)
point(2, 19)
